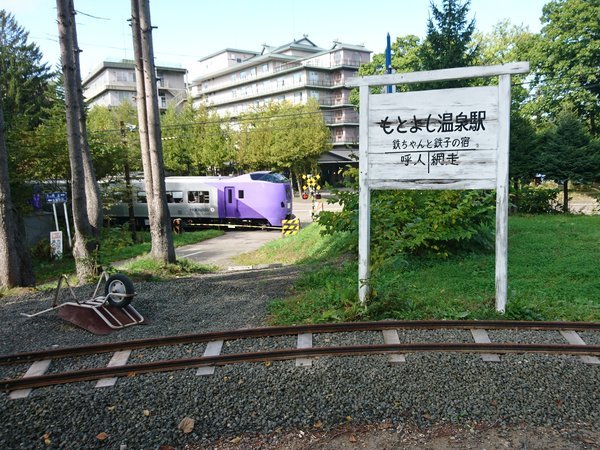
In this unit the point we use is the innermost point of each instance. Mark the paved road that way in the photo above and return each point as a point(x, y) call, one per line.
point(219, 251)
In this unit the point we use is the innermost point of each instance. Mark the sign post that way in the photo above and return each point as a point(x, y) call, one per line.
point(437, 139)
point(60, 197)
point(56, 244)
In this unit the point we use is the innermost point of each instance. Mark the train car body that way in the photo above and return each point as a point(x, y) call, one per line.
point(261, 198)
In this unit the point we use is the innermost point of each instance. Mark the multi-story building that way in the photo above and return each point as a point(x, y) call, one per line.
point(232, 81)
point(114, 81)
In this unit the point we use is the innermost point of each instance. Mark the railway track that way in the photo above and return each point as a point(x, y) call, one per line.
point(37, 377)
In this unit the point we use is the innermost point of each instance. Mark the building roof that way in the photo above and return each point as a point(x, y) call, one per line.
point(229, 49)
point(128, 64)
point(270, 52)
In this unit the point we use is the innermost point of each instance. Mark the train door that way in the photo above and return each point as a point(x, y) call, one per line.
point(230, 202)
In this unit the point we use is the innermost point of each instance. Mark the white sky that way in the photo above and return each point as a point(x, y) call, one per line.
point(191, 29)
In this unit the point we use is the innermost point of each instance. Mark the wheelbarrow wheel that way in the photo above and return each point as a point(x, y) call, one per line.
point(118, 284)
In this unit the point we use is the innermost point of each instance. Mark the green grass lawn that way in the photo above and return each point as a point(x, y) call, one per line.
point(117, 246)
point(554, 268)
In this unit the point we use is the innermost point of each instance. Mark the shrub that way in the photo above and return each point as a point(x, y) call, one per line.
point(116, 237)
point(535, 199)
point(418, 222)
point(42, 251)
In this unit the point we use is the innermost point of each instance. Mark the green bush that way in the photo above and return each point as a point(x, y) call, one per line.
point(418, 222)
point(535, 200)
point(42, 251)
point(116, 237)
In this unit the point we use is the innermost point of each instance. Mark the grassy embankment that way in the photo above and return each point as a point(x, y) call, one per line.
point(117, 246)
point(554, 268)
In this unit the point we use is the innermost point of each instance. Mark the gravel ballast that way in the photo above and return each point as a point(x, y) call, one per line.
point(144, 411)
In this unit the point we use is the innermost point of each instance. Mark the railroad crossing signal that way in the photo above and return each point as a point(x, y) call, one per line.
point(311, 186)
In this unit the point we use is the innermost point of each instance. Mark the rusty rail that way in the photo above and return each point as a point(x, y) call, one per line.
point(284, 354)
point(296, 329)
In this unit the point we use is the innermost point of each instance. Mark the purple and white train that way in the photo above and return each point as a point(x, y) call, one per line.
point(259, 198)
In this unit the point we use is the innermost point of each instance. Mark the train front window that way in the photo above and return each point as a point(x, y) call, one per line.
point(198, 197)
point(270, 177)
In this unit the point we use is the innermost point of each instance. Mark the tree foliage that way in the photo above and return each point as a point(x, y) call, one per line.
point(23, 77)
point(448, 40)
point(112, 142)
point(567, 60)
point(282, 136)
point(196, 141)
point(23, 82)
point(569, 153)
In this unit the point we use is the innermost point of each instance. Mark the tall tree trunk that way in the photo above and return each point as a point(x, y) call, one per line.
point(85, 244)
point(128, 187)
point(516, 187)
point(92, 191)
point(15, 263)
point(566, 196)
point(140, 100)
point(160, 221)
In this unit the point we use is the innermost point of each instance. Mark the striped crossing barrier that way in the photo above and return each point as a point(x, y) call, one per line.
point(290, 227)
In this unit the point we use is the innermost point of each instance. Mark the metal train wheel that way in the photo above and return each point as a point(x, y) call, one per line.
point(119, 284)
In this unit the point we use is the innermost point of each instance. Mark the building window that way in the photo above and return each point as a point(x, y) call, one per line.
point(243, 75)
point(265, 68)
point(163, 101)
point(198, 197)
point(241, 194)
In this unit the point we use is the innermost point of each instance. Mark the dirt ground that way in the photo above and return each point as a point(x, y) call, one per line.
point(580, 203)
point(409, 437)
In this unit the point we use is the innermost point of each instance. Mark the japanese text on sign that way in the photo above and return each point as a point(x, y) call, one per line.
point(434, 135)
point(445, 123)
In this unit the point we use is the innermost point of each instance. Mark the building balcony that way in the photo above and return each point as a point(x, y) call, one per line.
point(197, 90)
point(330, 100)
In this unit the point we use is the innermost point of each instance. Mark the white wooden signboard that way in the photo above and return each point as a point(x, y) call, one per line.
point(438, 139)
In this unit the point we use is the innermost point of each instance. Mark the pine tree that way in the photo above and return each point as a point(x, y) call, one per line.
point(23, 81)
point(23, 77)
point(449, 34)
point(568, 154)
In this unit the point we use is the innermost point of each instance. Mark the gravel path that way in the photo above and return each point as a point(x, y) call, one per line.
point(143, 412)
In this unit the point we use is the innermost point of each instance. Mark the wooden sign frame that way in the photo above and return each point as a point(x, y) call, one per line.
point(385, 179)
